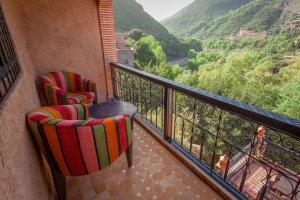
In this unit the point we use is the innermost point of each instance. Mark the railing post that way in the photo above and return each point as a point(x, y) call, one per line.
point(296, 190)
point(114, 82)
point(168, 107)
point(112, 78)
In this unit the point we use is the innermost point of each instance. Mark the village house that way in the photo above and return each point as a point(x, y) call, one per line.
point(125, 54)
point(247, 34)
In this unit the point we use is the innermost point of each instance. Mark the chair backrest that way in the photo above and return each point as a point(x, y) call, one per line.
point(63, 81)
point(79, 145)
point(66, 81)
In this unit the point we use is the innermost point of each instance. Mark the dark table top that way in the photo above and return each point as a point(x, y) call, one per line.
point(111, 109)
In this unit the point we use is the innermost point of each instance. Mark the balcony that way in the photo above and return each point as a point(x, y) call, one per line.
point(252, 153)
point(188, 144)
point(156, 174)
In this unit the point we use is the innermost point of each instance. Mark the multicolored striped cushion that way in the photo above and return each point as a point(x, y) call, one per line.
point(80, 145)
point(80, 97)
point(54, 86)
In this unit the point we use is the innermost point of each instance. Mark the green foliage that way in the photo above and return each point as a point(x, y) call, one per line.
point(289, 92)
point(227, 45)
point(150, 57)
point(251, 71)
point(129, 42)
point(135, 34)
point(266, 16)
point(248, 75)
point(289, 103)
point(130, 16)
point(188, 78)
point(290, 72)
point(279, 43)
point(228, 78)
point(172, 46)
point(196, 15)
point(196, 59)
point(192, 44)
point(149, 52)
point(165, 70)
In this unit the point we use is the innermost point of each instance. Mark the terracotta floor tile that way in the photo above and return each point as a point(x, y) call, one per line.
point(155, 174)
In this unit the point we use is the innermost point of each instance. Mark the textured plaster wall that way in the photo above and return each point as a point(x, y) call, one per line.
point(48, 35)
point(21, 176)
point(64, 35)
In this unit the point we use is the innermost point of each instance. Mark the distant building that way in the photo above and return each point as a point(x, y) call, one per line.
point(120, 39)
point(246, 34)
point(125, 54)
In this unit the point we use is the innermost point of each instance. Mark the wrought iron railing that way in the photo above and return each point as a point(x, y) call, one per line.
point(253, 153)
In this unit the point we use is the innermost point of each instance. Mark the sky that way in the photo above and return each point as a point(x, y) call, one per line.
point(162, 9)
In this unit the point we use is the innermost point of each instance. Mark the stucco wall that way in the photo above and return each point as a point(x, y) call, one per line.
point(64, 35)
point(48, 35)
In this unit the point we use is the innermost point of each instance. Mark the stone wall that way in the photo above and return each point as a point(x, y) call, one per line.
point(126, 56)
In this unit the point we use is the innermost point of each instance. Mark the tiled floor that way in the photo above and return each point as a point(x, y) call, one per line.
point(156, 174)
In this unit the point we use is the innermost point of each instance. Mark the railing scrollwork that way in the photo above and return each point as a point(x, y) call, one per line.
point(255, 152)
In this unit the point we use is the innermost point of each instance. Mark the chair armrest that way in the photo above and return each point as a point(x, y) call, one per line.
point(120, 123)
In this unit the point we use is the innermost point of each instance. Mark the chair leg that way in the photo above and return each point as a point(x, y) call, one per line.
point(132, 122)
point(60, 183)
point(129, 155)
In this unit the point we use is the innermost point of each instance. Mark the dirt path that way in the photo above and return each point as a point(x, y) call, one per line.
point(181, 61)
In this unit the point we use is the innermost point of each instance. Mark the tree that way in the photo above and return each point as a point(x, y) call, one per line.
point(135, 34)
point(278, 44)
point(130, 42)
point(289, 103)
point(149, 52)
point(188, 78)
point(196, 59)
point(194, 44)
point(165, 70)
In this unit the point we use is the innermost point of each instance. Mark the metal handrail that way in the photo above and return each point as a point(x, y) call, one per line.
point(270, 119)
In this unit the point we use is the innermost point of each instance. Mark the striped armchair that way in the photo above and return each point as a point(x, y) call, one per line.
point(64, 88)
point(78, 144)
point(75, 144)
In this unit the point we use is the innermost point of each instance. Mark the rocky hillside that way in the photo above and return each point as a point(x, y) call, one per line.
point(205, 18)
point(196, 15)
point(129, 15)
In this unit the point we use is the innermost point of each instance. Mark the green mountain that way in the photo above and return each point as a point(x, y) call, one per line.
point(129, 15)
point(198, 13)
point(206, 18)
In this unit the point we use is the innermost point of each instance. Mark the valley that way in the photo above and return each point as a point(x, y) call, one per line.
point(240, 49)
